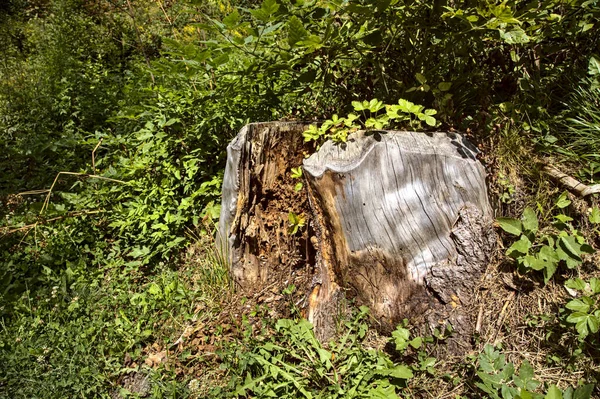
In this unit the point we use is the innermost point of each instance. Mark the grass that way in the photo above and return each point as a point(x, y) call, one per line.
point(581, 123)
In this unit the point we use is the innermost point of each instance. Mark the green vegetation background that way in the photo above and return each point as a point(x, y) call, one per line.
point(137, 100)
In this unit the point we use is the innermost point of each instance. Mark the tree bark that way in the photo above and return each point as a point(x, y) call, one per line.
point(400, 221)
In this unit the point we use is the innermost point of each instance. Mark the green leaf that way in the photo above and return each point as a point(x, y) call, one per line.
point(232, 20)
point(297, 173)
point(571, 247)
point(576, 284)
point(549, 271)
point(563, 201)
point(582, 328)
point(524, 394)
point(563, 218)
point(525, 378)
point(324, 355)
point(399, 371)
point(430, 120)
point(375, 105)
point(534, 262)
point(444, 86)
point(266, 10)
point(578, 305)
point(511, 226)
point(515, 36)
point(594, 216)
point(553, 393)
point(593, 323)
point(594, 66)
point(416, 342)
point(520, 247)
point(382, 391)
point(421, 78)
point(583, 392)
point(530, 220)
point(595, 285)
point(401, 337)
point(296, 31)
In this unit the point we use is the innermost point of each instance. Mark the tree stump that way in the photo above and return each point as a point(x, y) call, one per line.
point(399, 221)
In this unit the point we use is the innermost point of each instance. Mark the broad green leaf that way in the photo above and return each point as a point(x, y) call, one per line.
point(548, 253)
point(444, 86)
point(582, 328)
point(382, 391)
point(563, 201)
point(593, 323)
point(507, 392)
point(571, 247)
point(296, 31)
point(568, 393)
point(312, 43)
point(512, 226)
point(430, 120)
point(371, 122)
point(324, 355)
point(549, 271)
point(232, 20)
point(563, 218)
point(524, 380)
point(584, 392)
point(515, 36)
point(519, 247)
point(524, 394)
point(594, 65)
point(375, 105)
point(578, 305)
point(534, 262)
point(266, 10)
point(530, 220)
point(399, 371)
point(553, 393)
point(576, 284)
point(595, 285)
point(416, 342)
point(594, 216)
point(359, 106)
point(577, 317)
point(421, 78)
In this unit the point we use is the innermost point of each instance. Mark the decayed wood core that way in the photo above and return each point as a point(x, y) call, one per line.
point(258, 195)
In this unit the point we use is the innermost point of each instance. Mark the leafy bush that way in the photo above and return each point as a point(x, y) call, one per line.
point(499, 381)
point(563, 245)
point(584, 312)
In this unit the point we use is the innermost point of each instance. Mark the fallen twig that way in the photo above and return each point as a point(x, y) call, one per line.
point(572, 184)
point(47, 200)
point(11, 230)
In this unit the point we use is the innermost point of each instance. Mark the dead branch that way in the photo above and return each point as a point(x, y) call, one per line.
point(569, 182)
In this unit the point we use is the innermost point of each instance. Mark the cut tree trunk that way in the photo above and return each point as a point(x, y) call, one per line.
point(399, 221)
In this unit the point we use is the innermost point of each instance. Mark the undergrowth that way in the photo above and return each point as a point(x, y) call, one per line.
point(114, 121)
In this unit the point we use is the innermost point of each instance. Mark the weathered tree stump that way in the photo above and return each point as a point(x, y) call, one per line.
point(398, 220)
